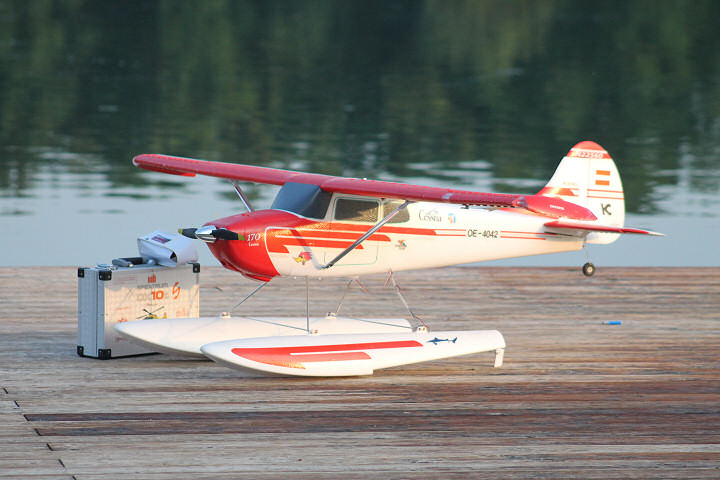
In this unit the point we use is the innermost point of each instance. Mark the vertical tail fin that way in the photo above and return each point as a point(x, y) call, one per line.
point(587, 176)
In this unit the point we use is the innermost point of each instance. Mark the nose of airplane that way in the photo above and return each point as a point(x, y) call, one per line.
point(238, 242)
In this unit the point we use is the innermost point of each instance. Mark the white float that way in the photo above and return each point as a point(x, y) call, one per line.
point(324, 355)
point(185, 336)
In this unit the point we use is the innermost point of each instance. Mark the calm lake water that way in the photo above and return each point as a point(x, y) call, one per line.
point(476, 95)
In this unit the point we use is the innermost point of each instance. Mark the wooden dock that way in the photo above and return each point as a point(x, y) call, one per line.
point(575, 398)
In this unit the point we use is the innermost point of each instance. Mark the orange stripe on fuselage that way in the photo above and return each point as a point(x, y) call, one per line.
point(385, 229)
point(280, 245)
point(331, 235)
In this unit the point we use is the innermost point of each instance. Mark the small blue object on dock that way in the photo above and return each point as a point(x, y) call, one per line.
point(613, 322)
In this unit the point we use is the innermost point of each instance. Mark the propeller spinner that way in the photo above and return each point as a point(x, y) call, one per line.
point(210, 233)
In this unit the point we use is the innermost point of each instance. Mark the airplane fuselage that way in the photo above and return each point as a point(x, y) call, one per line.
point(423, 235)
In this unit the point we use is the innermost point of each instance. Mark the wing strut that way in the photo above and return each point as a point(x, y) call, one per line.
point(242, 196)
point(374, 229)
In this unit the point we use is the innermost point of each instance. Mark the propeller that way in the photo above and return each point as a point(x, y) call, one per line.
point(210, 233)
point(188, 232)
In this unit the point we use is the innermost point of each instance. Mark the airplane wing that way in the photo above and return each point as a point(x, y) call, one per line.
point(548, 206)
point(594, 227)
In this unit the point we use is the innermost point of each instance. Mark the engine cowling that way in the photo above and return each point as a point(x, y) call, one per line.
point(248, 254)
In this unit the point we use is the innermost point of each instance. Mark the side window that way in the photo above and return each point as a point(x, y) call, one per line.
point(356, 210)
point(401, 217)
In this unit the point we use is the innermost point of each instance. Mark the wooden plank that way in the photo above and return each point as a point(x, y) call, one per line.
point(23, 453)
point(575, 397)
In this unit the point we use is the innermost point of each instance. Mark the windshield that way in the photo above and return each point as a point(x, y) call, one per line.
point(304, 199)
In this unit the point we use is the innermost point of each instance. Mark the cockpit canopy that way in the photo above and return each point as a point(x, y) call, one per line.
point(311, 201)
point(304, 199)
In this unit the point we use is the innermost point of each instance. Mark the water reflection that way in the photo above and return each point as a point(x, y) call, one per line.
point(485, 94)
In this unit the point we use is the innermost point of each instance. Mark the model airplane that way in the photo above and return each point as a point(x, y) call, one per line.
point(327, 226)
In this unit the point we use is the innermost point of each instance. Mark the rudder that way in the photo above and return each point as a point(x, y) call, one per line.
point(587, 176)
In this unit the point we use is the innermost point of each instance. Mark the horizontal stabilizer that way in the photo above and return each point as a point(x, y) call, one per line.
point(348, 354)
point(595, 227)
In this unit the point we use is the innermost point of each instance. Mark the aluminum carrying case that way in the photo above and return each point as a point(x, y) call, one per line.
point(110, 294)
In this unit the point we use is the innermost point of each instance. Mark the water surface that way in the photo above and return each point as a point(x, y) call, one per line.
point(479, 95)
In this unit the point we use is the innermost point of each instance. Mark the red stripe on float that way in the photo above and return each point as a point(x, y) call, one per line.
point(294, 357)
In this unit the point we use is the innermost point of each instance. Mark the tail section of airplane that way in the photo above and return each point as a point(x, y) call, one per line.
point(587, 176)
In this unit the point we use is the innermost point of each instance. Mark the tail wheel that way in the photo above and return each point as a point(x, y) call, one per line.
point(588, 269)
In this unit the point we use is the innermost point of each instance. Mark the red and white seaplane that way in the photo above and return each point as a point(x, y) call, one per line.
point(326, 226)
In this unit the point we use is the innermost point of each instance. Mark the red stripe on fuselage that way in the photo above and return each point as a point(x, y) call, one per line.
point(330, 235)
point(597, 193)
point(450, 232)
point(280, 245)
